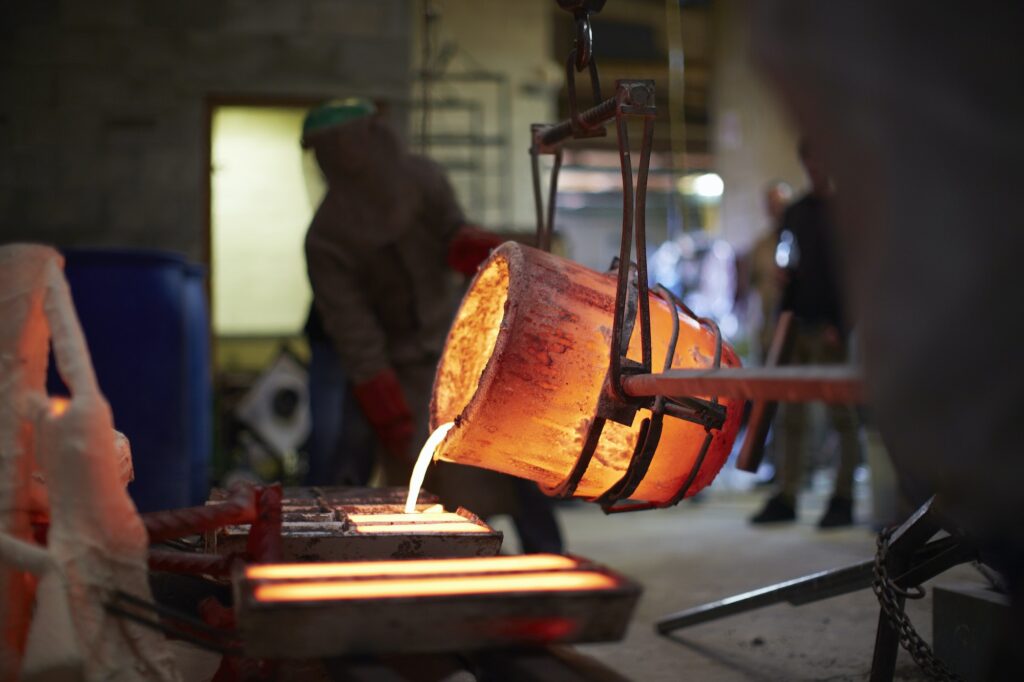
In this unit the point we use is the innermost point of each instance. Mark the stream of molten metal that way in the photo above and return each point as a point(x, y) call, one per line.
point(422, 463)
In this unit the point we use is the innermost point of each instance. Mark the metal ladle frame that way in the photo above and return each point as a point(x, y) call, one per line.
point(630, 385)
point(632, 99)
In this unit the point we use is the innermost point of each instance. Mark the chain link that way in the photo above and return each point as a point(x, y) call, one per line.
point(889, 597)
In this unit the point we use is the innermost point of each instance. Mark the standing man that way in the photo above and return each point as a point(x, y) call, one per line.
point(759, 274)
point(378, 254)
point(811, 291)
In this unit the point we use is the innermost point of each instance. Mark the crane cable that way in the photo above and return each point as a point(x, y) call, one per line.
point(676, 90)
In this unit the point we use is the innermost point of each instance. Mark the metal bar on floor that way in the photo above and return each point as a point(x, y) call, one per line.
point(814, 587)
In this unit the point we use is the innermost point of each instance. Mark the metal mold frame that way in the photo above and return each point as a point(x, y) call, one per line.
point(431, 624)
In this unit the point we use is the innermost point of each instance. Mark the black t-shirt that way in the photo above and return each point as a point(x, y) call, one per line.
point(812, 292)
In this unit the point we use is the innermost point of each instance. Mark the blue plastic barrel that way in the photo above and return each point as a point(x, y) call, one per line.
point(145, 322)
point(200, 396)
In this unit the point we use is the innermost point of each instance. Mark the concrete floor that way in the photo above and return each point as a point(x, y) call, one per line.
point(699, 552)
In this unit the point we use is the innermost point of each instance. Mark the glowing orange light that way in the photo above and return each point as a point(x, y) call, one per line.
point(542, 628)
point(422, 587)
point(420, 517)
point(413, 528)
point(58, 406)
point(475, 565)
point(523, 370)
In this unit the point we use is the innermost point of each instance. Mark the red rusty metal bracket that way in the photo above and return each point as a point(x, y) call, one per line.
point(264, 544)
point(175, 523)
point(260, 507)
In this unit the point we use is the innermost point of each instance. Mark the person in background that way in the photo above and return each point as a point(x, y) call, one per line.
point(764, 271)
point(807, 244)
point(380, 253)
point(758, 289)
point(757, 275)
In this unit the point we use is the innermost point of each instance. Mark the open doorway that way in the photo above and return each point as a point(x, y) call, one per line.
point(263, 192)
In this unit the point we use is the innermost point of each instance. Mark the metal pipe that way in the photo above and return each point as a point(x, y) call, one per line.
point(804, 383)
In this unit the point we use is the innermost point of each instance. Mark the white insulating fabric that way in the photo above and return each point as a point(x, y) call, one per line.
point(97, 543)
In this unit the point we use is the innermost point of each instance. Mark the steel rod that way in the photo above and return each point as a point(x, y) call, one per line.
point(814, 587)
point(823, 585)
point(804, 383)
point(592, 117)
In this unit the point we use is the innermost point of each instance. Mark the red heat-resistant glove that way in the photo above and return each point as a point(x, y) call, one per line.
point(469, 248)
point(389, 415)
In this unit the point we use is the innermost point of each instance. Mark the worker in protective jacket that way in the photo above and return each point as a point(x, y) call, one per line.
point(379, 252)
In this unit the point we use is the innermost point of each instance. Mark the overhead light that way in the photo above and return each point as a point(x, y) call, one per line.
point(702, 185)
point(708, 185)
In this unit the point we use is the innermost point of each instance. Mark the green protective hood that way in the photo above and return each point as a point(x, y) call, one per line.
point(333, 114)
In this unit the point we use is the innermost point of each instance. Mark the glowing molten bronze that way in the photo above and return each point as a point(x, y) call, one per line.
point(419, 527)
point(380, 579)
point(415, 517)
point(415, 522)
point(523, 368)
point(421, 567)
point(425, 587)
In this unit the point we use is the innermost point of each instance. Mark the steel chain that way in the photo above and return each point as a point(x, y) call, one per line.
point(889, 595)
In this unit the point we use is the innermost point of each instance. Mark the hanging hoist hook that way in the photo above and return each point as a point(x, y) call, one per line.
point(581, 11)
point(584, 41)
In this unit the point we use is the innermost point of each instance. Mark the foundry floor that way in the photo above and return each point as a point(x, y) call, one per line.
point(699, 552)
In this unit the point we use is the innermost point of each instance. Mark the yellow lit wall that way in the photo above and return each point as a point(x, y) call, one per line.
point(754, 140)
point(264, 190)
point(514, 39)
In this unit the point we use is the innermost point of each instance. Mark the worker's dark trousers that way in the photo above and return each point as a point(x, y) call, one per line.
point(340, 443)
point(810, 346)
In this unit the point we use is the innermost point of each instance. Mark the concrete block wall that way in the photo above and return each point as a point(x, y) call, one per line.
point(754, 141)
point(515, 40)
point(104, 102)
